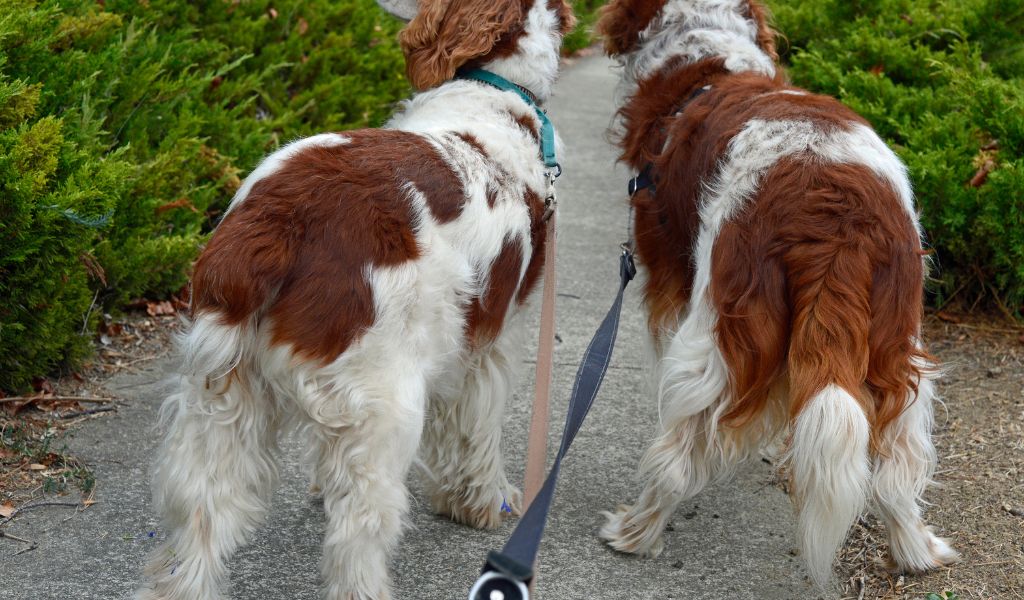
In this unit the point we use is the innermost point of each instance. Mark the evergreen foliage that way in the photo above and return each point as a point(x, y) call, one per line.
point(943, 82)
point(124, 128)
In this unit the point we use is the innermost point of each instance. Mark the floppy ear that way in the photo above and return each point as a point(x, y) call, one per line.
point(566, 18)
point(621, 22)
point(402, 9)
point(446, 34)
point(765, 34)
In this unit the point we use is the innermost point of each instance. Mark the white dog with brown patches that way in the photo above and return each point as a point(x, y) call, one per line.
point(363, 287)
point(784, 283)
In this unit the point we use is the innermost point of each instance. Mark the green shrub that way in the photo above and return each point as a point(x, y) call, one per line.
point(583, 34)
point(943, 82)
point(124, 126)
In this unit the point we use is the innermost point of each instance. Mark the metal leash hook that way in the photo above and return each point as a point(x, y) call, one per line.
point(493, 585)
point(549, 196)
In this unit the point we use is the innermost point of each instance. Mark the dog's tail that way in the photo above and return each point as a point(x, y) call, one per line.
point(829, 354)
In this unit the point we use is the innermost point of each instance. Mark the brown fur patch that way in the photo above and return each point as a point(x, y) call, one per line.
point(668, 217)
point(621, 21)
point(295, 250)
point(485, 314)
point(472, 142)
point(566, 18)
point(821, 277)
point(538, 239)
point(530, 124)
point(758, 13)
point(447, 34)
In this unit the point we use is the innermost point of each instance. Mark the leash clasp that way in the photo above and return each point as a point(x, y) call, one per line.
point(549, 201)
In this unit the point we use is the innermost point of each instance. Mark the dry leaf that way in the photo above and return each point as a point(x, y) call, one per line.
point(6, 509)
point(36, 467)
point(179, 203)
point(93, 267)
point(156, 309)
point(43, 385)
point(982, 173)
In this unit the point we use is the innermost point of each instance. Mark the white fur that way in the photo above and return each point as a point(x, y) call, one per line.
point(899, 481)
point(412, 371)
point(695, 30)
point(540, 46)
point(830, 469)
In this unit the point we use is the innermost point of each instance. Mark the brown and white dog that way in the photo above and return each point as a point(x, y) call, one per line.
point(363, 287)
point(784, 283)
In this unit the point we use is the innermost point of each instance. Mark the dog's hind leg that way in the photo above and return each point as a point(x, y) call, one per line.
point(465, 474)
point(212, 483)
point(899, 480)
point(361, 467)
point(685, 456)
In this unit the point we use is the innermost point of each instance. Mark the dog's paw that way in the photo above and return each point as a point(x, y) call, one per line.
point(631, 533)
point(924, 552)
point(479, 509)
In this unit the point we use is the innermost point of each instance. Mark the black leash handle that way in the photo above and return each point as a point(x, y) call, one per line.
point(507, 574)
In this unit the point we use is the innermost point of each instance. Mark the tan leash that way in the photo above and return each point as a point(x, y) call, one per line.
point(508, 572)
point(537, 445)
point(537, 441)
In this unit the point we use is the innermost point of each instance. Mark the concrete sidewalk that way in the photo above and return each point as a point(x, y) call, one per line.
point(733, 541)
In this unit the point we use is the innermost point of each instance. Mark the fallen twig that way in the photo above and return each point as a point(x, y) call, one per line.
point(22, 509)
point(138, 360)
point(4, 534)
point(32, 545)
point(91, 411)
point(91, 399)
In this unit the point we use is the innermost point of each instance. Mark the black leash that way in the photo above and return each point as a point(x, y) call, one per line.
point(507, 574)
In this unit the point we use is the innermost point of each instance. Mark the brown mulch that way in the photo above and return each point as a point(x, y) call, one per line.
point(979, 500)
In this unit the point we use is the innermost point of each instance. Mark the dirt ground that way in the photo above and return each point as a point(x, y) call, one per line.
point(978, 504)
point(979, 500)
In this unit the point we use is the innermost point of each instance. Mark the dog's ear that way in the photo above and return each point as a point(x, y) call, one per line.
point(566, 18)
point(621, 22)
point(446, 34)
point(401, 9)
point(765, 34)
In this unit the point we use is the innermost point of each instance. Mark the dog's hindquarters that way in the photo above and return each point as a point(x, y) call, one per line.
point(464, 471)
point(216, 468)
point(833, 307)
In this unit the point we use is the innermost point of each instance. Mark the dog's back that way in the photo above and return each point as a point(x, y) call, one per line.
point(785, 272)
